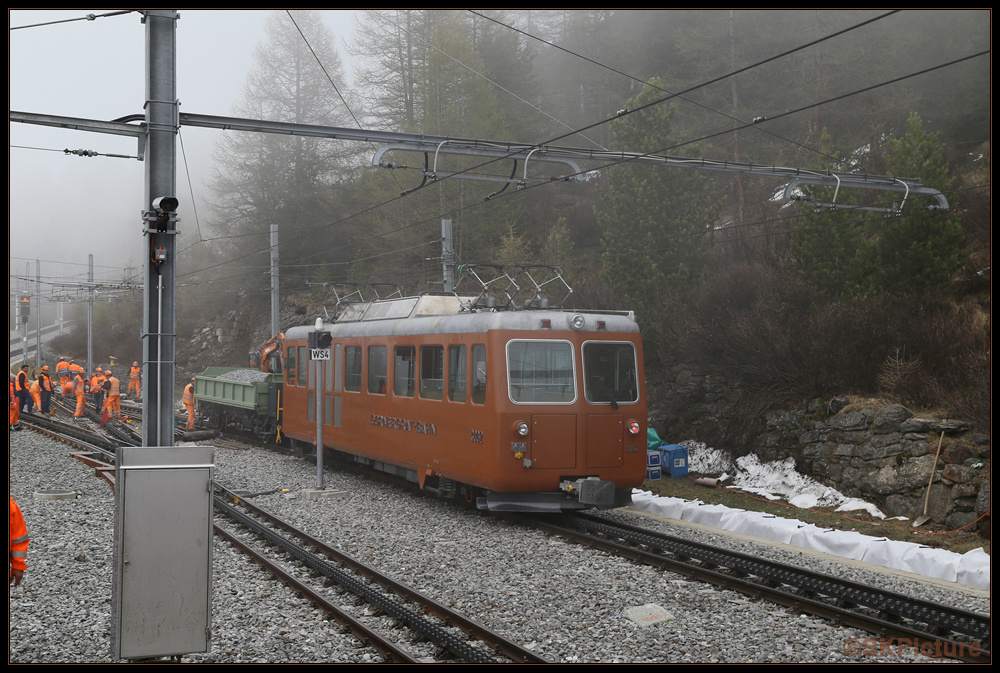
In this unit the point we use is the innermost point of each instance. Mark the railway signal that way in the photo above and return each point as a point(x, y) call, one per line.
point(319, 344)
point(319, 341)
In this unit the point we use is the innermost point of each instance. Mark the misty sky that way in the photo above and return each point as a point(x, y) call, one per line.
point(64, 207)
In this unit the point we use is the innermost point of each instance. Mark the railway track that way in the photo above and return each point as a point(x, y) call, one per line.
point(77, 435)
point(454, 634)
point(403, 604)
point(960, 634)
point(860, 606)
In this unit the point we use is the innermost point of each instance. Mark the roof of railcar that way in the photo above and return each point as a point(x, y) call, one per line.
point(436, 314)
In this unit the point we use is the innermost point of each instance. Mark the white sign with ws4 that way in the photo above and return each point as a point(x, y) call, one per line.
point(319, 353)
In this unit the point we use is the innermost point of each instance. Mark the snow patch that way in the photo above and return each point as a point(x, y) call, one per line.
point(775, 480)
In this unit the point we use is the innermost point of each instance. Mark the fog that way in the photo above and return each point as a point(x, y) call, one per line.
point(62, 208)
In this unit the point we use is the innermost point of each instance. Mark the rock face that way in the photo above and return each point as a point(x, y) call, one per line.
point(883, 454)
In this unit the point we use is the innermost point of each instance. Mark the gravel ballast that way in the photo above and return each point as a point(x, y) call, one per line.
point(564, 601)
point(244, 375)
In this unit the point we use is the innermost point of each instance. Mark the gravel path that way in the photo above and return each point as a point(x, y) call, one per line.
point(564, 601)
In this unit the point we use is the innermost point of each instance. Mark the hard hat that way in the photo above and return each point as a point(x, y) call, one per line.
point(135, 364)
point(61, 358)
point(45, 368)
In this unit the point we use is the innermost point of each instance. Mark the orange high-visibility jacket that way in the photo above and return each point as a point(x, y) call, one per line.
point(18, 538)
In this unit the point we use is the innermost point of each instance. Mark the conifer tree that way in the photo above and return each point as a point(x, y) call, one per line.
point(919, 249)
point(263, 179)
point(830, 251)
point(656, 222)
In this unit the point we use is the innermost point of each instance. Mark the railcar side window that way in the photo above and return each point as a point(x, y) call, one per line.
point(377, 369)
point(291, 366)
point(432, 372)
point(352, 370)
point(479, 374)
point(609, 373)
point(541, 372)
point(303, 367)
point(404, 371)
point(458, 374)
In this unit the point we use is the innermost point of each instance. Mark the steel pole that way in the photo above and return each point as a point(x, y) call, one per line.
point(39, 360)
point(275, 322)
point(159, 238)
point(90, 317)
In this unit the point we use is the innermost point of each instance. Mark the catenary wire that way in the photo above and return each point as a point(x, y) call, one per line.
point(469, 206)
point(667, 91)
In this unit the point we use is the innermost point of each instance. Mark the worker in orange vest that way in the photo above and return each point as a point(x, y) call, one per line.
point(113, 405)
point(134, 378)
point(75, 369)
point(45, 383)
point(188, 401)
point(62, 373)
point(22, 390)
point(97, 389)
point(79, 387)
point(15, 409)
point(17, 559)
point(35, 389)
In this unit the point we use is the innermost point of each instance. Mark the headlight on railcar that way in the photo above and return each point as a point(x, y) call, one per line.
point(634, 427)
point(521, 428)
point(577, 321)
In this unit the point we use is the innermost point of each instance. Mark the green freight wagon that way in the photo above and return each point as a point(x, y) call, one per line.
point(244, 398)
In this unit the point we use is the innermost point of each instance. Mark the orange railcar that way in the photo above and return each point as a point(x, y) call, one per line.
point(535, 410)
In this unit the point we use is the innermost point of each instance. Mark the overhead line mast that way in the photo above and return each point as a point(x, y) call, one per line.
point(160, 227)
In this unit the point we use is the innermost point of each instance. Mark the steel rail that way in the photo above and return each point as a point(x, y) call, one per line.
point(507, 647)
point(413, 618)
point(87, 436)
point(845, 591)
point(707, 573)
point(360, 631)
point(368, 636)
point(102, 469)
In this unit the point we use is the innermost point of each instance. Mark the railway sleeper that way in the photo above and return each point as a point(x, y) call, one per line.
point(805, 593)
point(891, 617)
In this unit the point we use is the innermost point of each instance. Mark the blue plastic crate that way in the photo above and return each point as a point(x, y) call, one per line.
point(674, 460)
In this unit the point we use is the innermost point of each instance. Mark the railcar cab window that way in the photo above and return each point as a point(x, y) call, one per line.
point(404, 371)
point(541, 372)
point(352, 369)
point(291, 369)
point(458, 374)
point(432, 372)
point(609, 373)
point(377, 369)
